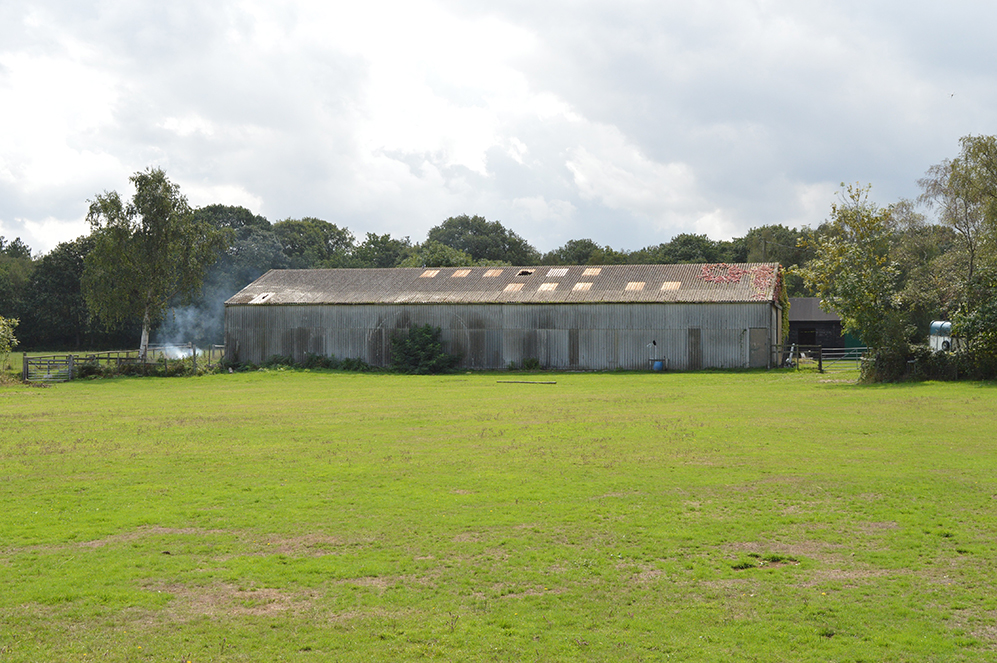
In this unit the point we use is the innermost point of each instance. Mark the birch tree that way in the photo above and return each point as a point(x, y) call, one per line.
point(148, 253)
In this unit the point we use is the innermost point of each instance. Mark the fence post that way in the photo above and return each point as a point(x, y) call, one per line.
point(193, 357)
point(70, 367)
point(24, 366)
point(820, 358)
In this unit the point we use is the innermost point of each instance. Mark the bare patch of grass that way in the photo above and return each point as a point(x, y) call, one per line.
point(222, 599)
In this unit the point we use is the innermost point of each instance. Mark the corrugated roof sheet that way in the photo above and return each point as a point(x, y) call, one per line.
point(521, 285)
point(809, 309)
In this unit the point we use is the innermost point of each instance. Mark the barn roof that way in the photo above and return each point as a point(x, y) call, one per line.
point(810, 309)
point(722, 282)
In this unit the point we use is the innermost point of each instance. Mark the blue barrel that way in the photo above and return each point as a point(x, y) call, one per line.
point(658, 365)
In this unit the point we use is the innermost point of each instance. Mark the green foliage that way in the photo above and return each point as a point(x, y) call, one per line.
point(483, 240)
point(311, 361)
point(16, 268)
point(237, 219)
point(354, 364)
point(7, 339)
point(57, 317)
point(15, 249)
point(147, 253)
point(775, 243)
point(436, 254)
point(380, 251)
point(583, 252)
point(421, 352)
point(531, 364)
point(274, 361)
point(852, 271)
point(926, 258)
point(965, 191)
point(782, 296)
point(162, 367)
point(687, 248)
point(977, 328)
point(311, 242)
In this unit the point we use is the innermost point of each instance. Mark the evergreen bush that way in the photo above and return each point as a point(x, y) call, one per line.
point(421, 352)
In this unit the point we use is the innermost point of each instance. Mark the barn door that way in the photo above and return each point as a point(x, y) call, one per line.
point(758, 341)
point(695, 349)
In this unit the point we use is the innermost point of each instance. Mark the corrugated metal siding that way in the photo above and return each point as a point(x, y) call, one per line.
point(583, 336)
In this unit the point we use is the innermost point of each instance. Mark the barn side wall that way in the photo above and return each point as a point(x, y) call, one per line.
point(488, 336)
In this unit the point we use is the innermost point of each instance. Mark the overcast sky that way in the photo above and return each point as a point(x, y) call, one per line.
point(626, 122)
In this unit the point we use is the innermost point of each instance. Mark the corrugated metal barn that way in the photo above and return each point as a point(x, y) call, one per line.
point(579, 317)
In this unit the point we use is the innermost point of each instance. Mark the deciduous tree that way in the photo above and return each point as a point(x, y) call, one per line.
point(583, 252)
point(16, 267)
point(484, 240)
point(312, 242)
point(435, 254)
point(380, 251)
point(147, 252)
point(852, 271)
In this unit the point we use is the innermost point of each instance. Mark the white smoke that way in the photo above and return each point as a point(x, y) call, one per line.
point(176, 352)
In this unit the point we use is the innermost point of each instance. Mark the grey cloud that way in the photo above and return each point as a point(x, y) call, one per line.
point(667, 117)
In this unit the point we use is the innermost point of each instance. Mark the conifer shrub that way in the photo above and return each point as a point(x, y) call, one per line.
point(421, 352)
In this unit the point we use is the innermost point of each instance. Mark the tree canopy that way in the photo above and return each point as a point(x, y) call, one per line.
point(16, 267)
point(852, 271)
point(380, 251)
point(311, 242)
point(583, 252)
point(484, 240)
point(147, 252)
point(437, 254)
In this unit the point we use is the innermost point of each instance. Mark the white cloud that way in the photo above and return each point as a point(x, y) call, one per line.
point(201, 195)
point(51, 103)
point(625, 122)
point(43, 236)
point(188, 125)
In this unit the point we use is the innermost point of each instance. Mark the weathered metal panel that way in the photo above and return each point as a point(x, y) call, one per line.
point(582, 336)
point(759, 347)
point(524, 285)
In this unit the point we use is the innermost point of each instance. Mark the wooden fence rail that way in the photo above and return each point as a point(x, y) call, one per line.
point(59, 368)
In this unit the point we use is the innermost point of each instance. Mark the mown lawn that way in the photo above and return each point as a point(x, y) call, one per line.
point(315, 516)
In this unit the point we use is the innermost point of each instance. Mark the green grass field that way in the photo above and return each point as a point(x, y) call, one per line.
point(297, 516)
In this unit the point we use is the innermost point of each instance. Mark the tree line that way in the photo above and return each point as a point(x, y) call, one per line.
point(155, 264)
point(84, 294)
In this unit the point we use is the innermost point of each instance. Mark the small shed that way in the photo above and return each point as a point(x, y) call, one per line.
point(810, 324)
point(572, 317)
